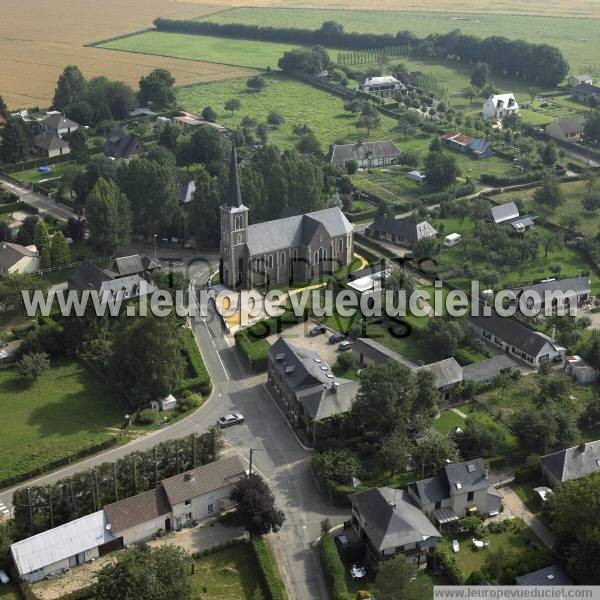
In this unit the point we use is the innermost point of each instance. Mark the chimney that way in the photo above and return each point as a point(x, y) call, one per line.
point(553, 334)
point(188, 476)
point(334, 387)
point(581, 447)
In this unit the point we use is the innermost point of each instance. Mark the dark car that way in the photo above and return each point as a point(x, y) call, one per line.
point(317, 330)
point(336, 337)
point(230, 419)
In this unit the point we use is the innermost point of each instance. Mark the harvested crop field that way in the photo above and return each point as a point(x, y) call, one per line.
point(38, 38)
point(550, 8)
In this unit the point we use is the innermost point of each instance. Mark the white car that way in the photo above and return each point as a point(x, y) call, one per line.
point(230, 419)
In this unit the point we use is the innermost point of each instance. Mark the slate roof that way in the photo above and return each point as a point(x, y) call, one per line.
point(390, 519)
point(567, 124)
point(58, 121)
point(120, 144)
point(139, 112)
point(56, 544)
point(488, 369)
point(572, 463)
point(136, 510)
point(477, 146)
point(295, 231)
point(136, 263)
point(89, 276)
point(504, 212)
point(512, 332)
point(186, 191)
point(204, 479)
point(587, 89)
point(11, 254)
point(379, 353)
point(447, 372)
point(341, 153)
point(552, 575)
point(49, 141)
point(521, 223)
point(320, 393)
point(579, 285)
point(413, 232)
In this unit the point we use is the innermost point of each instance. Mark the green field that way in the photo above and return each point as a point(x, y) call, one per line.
point(300, 104)
point(242, 53)
point(577, 38)
point(231, 574)
point(35, 176)
point(67, 410)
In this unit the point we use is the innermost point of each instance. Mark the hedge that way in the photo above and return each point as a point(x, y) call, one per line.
point(333, 568)
point(528, 473)
point(33, 163)
point(201, 380)
point(269, 571)
point(362, 216)
point(11, 207)
point(450, 566)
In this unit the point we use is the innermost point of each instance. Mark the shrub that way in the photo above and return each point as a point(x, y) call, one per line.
point(274, 587)
point(32, 366)
point(346, 361)
point(470, 524)
point(201, 380)
point(333, 568)
point(146, 416)
point(451, 566)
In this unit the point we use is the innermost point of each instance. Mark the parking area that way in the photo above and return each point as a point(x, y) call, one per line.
point(298, 335)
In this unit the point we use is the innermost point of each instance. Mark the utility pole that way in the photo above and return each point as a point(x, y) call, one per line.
point(73, 512)
point(251, 456)
point(155, 467)
point(115, 481)
point(193, 450)
point(30, 511)
point(51, 509)
point(177, 455)
point(135, 484)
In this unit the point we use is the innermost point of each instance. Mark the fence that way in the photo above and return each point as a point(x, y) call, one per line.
point(71, 265)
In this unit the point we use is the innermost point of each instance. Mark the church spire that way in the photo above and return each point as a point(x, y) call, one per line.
point(234, 196)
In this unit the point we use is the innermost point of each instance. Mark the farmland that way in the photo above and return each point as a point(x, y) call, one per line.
point(38, 39)
point(298, 102)
point(567, 33)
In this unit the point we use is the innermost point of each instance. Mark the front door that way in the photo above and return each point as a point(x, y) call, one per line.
point(168, 524)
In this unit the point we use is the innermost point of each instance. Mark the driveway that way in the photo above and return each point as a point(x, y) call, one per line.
point(516, 506)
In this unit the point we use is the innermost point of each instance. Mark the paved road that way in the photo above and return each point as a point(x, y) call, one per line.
point(60, 211)
point(278, 455)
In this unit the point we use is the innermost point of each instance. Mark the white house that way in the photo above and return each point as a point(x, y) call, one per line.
point(498, 106)
point(63, 547)
point(386, 86)
point(15, 258)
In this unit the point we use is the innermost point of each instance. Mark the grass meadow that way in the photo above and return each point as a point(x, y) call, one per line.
point(577, 38)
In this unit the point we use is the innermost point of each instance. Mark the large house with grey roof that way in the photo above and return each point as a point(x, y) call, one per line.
point(388, 523)
point(571, 463)
point(405, 233)
point(15, 258)
point(305, 388)
point(568, 292)
point(365, 154)
point(56, 123)
point(296, 248)
point(458, 490)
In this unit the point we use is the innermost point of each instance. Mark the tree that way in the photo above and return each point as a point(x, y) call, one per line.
point(205, 146)
point(11, 286)
point(256, 83)
point(309, 144)
point(275, 118)
point(16, 140)
point(397, 451)
point(146, 573)
point(469, 94)
point(397, 579)
point(549, 193)
point(232, 105)
point(41, 237)
point(481, 75)
point(108, 216)
point(549, 155)
point(32, 366)
point(7, 530)
point(262, 129)
point(59, 251)
point(482, 436)
point(337, 465)
point(431, 452)
point(156, 89)
point(534, 430)
point(590, 350)
point(169, 135)
point(312, 61)
point(592, 127)
point(591, 198)
point(256, 506)
point(443, 335)
point(147, 358)
point(77, 143)
point(209, 114)
point(70, 88)
point(400, 279)
point(441, 169)
point(351, 167)
point(332, 28)
point(3, 108)
point(204, 214)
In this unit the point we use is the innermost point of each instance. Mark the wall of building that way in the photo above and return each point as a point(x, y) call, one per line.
point(200, 507)
point(28, 264)
point(144, 531)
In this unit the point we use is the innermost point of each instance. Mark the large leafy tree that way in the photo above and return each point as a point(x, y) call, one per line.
point(70, 88)
point(549, 194)
point(146, 573)
point(157, 89)
point(147, 361)
point(204, 214)
point(16, 140)
point(431, 452)
point(256, 506)
point(108, 216)
point(3, 108)
point(59, 251)
point(397, 580)
point(11, 300)
point(441, 169)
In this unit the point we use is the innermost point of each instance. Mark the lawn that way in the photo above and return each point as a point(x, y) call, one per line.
point(35, 176)
point(65, 411)
point(447, 420)
point(576, 37)
point(231, 574)
point(9, 592)
point(298, 102)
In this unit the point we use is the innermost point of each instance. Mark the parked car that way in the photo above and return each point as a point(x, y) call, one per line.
point(230, 419)
point(345, 345)
point(317, 330)
point(336, 337)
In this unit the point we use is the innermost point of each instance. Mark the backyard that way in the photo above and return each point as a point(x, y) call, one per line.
point(65, 411)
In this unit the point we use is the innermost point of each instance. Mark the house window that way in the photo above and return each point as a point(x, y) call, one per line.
point(188, 516)
point(316, 257)
point(187, 503)
point(258, 264)
point(237, 222)
point(270, 261)
point(210, 509)
point(283, 258)
point(438, 504)
point(340, 244)
point(295, 254)
point(470, 496)
point(239, 238)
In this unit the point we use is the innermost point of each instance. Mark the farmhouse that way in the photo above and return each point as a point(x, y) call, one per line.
point(59, 125)
point(585, 92)
point(498, 106)
point(477, 148)
point(531, 347)
point(458, 490)
point(366, 154)
point(567, 128)
point(405, 233)
point(305, 388)
point(122, 145)
point(385, 86)
point(489, 369)
point(296, 248)
point(63, 547)
point(569, 292)
point(584, 78)
point(571, 463)
point(50, 145)
point(15, 258)
point(387, 523)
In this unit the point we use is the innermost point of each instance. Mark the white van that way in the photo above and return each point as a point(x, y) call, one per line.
point(452, 240)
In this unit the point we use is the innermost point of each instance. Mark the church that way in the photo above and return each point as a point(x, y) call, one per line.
point(292, 249)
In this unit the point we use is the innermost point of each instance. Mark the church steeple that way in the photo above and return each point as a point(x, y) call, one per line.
point(234, 196)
